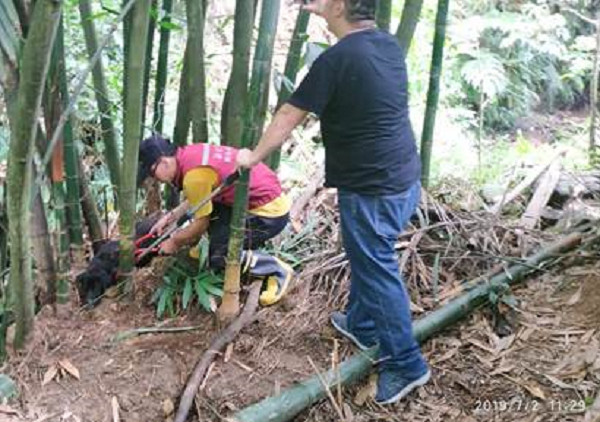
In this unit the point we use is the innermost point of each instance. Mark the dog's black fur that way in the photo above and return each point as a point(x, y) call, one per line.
point(102, 269)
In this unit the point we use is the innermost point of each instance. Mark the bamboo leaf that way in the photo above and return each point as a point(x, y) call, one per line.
point(214, 290)
point(162, 303)
point(187, 293)
point(69, 367)
point(50, 374)
point(203, 298)
point(170, 26)
point(9, 38)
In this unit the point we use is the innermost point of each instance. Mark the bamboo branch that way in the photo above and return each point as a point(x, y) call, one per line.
point(126, 335)
point(219, 342)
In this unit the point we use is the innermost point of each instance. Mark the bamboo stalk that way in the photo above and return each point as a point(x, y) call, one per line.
point(232, 115)
point(109, 136)
point(33, 71)
point(132, 134)
point(433, 92)
point(162, 67)
point(384, 14)
point(292, 401)
point(408, 23)
point(256, 109)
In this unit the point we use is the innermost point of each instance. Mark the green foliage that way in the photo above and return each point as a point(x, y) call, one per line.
point(184, 285)
point(506, 64)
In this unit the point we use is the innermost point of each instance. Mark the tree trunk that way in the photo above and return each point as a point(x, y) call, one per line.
point(433, 93)
point(384, 14)
point(162, 67)
point(111, 151)
point(196, 82)
point(256, 108)
point(232, 116)
point(132, 133)
point(35, 60)
point(292, 65)
point(408, 23)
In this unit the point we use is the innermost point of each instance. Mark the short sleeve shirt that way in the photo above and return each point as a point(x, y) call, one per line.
point(359, 90)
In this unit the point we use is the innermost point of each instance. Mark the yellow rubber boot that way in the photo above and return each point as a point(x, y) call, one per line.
point(278, 275)
point(277, 284)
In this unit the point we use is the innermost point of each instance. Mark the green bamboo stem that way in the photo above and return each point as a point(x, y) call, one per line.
point(261, 69)
point(292, 401)
point(383, 15)
point(62, 237)
point(183, 116)
point(132, 134)
point(256, 108)
point(196, 74)
point(34, 67)
point(408, 23)
point(433, 93)
point(162, 67)
point(148, 66)
point(292, 65)
point(109, 135)
point(45, 279)
point(70, 153)
point(236, 94)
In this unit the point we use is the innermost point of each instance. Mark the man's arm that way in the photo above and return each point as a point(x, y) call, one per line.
point(187, 236)
point(170, 218)
point(280, 128)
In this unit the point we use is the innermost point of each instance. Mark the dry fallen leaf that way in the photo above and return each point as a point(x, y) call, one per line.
point(367, 391)
point(50, 374)
point(168, 407)
point(69, 367)
point(575, 298)
point(115, 409)
point(534, 389)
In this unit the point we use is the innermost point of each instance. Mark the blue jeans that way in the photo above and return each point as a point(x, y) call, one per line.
point(378, 305)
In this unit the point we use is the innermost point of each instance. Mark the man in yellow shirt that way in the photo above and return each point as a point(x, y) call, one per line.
point(197, 169)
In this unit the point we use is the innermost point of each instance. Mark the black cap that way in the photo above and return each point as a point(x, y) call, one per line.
point(151, 149)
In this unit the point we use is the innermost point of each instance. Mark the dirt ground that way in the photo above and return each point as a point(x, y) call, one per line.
point(545, 367)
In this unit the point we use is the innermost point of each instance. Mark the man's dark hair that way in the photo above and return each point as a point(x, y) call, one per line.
point(360, 10)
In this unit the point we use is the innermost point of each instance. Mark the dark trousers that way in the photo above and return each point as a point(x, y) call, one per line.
point(258, 230)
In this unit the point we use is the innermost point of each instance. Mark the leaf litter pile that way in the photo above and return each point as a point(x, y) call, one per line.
point(531, 355)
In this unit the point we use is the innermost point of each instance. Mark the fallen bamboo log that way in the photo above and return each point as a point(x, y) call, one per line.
point(292, 401)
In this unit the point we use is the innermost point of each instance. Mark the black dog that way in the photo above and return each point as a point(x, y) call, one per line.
point(102, 270)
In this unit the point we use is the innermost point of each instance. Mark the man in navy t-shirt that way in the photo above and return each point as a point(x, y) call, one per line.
point(358, 88)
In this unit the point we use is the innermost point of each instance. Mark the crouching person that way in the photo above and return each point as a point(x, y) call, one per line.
point(197, 169)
